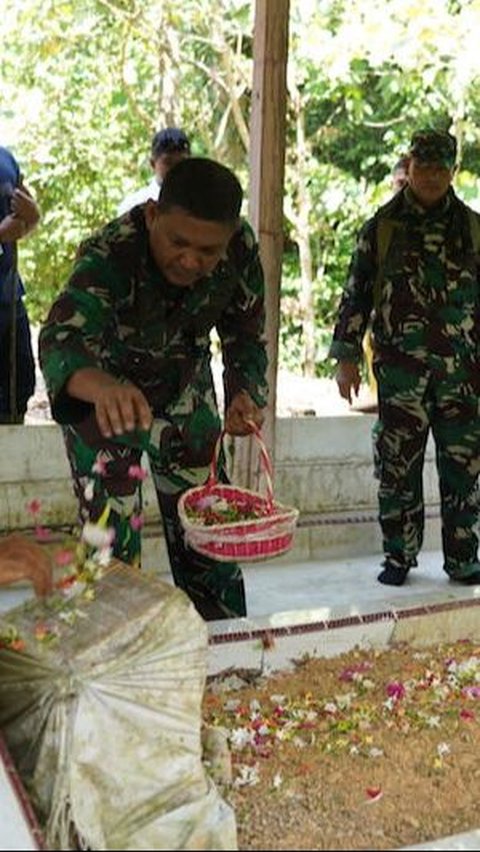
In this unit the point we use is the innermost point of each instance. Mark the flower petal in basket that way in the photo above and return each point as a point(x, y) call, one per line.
point(229, 523)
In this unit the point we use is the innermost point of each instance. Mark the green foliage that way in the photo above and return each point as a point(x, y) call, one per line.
point(86, 83)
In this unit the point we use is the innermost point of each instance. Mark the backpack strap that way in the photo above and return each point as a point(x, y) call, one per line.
point(474, 225)
point(385, 229)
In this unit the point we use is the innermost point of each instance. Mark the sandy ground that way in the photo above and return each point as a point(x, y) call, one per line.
point(368, 750)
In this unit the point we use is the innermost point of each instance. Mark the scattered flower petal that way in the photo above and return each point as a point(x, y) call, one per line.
point(64, 557)
point(33, 507)
point(467, 715)
point(43, 533)
point(374, 793)
point(248, 776)
point(277, 781)
point(376, 752)
point(97, 536)
point(396, 690)
point(471, 691)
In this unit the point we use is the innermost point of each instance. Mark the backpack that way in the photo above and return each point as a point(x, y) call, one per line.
point(385, 229)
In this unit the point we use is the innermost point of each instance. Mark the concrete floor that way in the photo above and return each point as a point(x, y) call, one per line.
point(325, 607)
point(348, 586)
point(331, 588)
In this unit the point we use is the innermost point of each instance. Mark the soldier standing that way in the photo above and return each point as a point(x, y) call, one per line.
point(128, 341)
point(415, 269)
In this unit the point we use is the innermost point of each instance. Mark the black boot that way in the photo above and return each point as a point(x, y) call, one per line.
point(393, 575)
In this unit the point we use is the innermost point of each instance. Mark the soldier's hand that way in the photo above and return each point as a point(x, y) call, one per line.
point(21, 559)
point(121, 408)
point(347, 377)
point(242, 413)
point(24, 207)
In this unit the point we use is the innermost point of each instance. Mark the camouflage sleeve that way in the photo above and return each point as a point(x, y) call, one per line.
point(357, 299)
point(71, 338)
point(241, 327)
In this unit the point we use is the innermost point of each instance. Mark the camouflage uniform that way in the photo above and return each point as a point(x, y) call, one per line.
point(425, 326)
point(119, 313)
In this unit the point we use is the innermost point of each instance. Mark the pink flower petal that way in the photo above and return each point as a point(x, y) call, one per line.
point(467, 715)
point(374, 793)
point(396, 690)
point(137, 522)
point(206, 502)
point(33, 507)
point(136, 471)
point(42, 533)
point(100, 467)
point(471, 691)
point(64, 557)
point(349, 673)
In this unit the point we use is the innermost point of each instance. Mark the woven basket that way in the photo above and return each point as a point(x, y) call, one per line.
point(268, 534)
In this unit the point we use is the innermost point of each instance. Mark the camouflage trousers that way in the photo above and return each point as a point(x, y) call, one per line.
point(178, 461)
point(409, 407)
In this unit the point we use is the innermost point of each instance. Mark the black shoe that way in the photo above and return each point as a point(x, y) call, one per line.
point(393, 575)
point(472, 579)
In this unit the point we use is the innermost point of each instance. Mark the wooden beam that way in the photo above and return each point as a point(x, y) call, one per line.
point(267, 166)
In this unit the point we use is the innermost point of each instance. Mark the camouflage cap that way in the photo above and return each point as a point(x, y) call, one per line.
point(434, 146)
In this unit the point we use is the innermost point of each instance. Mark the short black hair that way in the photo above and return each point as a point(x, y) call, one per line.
point(204, 189)
point(169, 140)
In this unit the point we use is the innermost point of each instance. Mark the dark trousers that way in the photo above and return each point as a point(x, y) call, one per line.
point(25, 363)
point(409, 408)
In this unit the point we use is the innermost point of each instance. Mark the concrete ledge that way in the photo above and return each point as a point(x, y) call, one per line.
point(466, 840)
point(321, 465)
point(242, 643)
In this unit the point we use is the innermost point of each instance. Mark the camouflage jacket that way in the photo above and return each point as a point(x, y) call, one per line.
point(120, 314)
point(426, 317)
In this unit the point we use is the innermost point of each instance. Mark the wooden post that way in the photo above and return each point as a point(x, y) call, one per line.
point(267, 166)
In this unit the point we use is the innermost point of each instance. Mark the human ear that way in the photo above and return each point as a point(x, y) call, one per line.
point(151, 211)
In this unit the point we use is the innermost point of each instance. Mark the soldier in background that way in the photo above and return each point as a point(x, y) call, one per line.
point(129, 341)
point(424, 296)
point(400, 174)
point(169, 146)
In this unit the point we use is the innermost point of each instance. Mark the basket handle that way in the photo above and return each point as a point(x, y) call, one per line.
point(266, 463)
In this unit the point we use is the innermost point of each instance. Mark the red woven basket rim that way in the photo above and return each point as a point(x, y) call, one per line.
point(279, 511)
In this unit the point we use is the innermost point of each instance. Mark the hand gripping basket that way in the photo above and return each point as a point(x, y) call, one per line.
point(267, 531)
